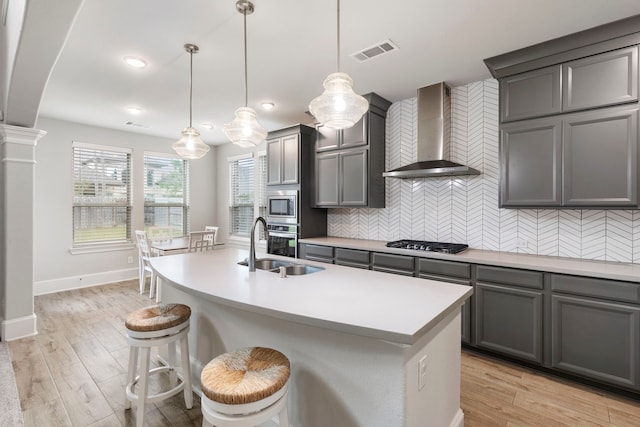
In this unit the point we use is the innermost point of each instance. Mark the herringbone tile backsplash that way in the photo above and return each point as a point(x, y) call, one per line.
point(465, 209)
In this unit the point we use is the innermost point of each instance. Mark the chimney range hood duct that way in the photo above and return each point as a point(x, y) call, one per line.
point(434, 138)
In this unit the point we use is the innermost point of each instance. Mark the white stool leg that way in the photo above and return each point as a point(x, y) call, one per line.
point(173, 376)
point(186, 372)
point(131, 373)
point(142, 385)
point(283, 416)
point(141, 274)
point(152, 286)
point(158, 289)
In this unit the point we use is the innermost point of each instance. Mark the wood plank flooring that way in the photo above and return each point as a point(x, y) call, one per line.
point(74, 372)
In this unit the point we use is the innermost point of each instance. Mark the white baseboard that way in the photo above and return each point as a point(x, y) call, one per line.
point(76, 282)
point(458, 420)
point(21, 327)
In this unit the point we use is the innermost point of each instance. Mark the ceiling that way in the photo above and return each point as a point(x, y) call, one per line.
point(291, 49)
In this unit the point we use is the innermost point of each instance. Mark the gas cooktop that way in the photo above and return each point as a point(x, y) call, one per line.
point(422, 245)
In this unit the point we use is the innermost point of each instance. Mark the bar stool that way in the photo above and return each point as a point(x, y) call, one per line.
point(152, 327)
point(245, 388)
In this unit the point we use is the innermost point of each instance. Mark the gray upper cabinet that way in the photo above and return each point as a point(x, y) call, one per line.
point(569, 130)
point(532, 94)
point(600, 151)
point(600, 80)
point(531, 159)
point(283, 160)
point(349, 162)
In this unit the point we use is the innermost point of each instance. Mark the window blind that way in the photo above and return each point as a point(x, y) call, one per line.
point(101, 194)
point(241, 196)
point(166, 193)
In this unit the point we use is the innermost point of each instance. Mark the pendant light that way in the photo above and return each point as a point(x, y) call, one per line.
point(339, 107)
point(245, 130)
point(190, 146)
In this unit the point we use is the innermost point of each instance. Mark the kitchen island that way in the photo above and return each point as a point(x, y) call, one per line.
point(366, 348)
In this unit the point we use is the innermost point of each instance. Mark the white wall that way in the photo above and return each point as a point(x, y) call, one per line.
point(465, 209)
point(55, 267)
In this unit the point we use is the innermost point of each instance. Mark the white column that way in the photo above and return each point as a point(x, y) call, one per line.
point(16, 232)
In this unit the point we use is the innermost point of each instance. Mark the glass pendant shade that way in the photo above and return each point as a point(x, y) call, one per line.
point(190, 146)
point(245, 130)
point(339, 107)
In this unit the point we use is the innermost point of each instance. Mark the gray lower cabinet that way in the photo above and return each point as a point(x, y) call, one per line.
point(396, 264)
point(352, 258)
point(316, 253)
point(458, 273)
point(509, 311)
point(596, 339)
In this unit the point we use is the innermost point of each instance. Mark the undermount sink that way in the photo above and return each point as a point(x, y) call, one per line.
point(273, 265)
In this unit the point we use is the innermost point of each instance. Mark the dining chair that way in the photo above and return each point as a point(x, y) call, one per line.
point(200, 241)
point(144, 256)
point(215, 233)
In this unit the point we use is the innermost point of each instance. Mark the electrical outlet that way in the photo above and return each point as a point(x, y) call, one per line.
point(522, 243)
point(130, 260)
point(422, 372)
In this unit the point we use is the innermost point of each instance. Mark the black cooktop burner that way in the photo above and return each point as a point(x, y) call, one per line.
point(422, 245)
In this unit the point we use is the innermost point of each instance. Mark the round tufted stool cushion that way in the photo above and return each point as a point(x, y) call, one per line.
point(245, 376)
point(158, 317)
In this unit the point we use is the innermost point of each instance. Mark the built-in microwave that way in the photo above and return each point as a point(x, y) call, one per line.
point(282, 206)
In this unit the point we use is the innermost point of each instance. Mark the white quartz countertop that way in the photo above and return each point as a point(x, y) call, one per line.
point(354, 301)
point(600, 269)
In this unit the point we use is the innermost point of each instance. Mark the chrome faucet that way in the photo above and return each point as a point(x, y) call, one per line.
point(252, 242)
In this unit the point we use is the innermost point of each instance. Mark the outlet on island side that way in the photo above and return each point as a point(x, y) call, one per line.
point(130, 260)
point(422, 372)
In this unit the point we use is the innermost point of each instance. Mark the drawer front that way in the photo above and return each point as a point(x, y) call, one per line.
point(598, 288)
point(510, 276)
point(352, 256)
point(396, 263)
point(317, 251)
point(444, 268)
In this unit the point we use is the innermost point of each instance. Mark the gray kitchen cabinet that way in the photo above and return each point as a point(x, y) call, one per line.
point(349, 162)
point(532, 94)
point(282, 160)
point(596, 339)
point(508, 312)
point(316, 252)
point(458, 273)
point(531, 159)
point(352, 258)
point(601, 80)
point(600, 152)
point(390, 263)
point(586, 159)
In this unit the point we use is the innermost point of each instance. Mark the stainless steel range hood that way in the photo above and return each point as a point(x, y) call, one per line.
point(434, 138)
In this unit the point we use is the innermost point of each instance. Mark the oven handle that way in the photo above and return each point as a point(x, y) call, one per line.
point(276, 234)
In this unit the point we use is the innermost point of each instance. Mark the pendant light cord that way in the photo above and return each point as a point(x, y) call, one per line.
point(338, 37)
point(190, 87)
point(246, 84)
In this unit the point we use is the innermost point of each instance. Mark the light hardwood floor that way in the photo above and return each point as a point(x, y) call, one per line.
point(73, 374)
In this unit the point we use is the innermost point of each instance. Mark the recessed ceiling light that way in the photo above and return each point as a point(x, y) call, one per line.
point(207, 126)
point(267, 105)
point(135, 62)
point(134, 110)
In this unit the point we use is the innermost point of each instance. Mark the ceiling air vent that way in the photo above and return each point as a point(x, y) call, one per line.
point(386, 46)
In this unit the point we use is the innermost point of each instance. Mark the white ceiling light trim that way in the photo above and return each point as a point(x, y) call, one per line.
point(135, 62)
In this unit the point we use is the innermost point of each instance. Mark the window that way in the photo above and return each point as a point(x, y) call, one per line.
point(241, 195)
point(101, 194)
point(247, 193)
point(166, 193)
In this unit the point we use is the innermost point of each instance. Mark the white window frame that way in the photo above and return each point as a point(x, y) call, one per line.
point(103, 245)
point(185, 205)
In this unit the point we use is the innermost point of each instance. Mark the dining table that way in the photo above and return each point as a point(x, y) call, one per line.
point(176, 245)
